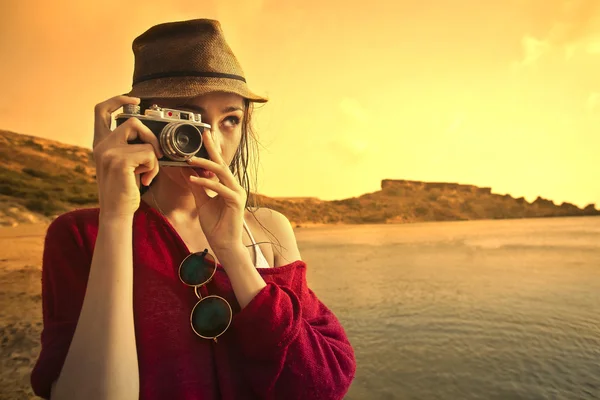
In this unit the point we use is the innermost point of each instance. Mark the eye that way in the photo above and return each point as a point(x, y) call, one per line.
point(232, 121)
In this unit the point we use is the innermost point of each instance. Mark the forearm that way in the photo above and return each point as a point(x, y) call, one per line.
point(245, 279)
point(102, 360)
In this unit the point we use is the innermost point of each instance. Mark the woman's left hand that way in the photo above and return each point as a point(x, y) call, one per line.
point(221, 217)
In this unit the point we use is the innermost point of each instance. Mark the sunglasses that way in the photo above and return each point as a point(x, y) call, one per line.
point(212, 315)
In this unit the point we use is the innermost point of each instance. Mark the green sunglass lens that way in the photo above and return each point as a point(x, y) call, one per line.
point(197, 269)
point(211, 317)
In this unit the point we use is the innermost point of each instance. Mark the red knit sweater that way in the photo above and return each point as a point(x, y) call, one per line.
point(285, 344)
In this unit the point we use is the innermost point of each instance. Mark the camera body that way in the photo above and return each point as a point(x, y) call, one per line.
point(179, 133)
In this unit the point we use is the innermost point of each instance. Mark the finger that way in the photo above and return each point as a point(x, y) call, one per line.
point(132, 129)
point(216, 187)
point(149, 170)
point(103, 114)
point(208, 140)
point(148, 174)
point(220, 170)
point(146, 165)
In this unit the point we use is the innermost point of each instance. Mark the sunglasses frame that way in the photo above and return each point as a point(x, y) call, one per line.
point(199, 296)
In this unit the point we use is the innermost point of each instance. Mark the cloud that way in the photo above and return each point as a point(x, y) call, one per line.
point(242, 11)
point(593, 101)
point(572, 27)
point(238, 17)
point(351, 146)
point(353, 109)
point(533, 49)
point(456, 124)
point(593, 45)
point(349, 151)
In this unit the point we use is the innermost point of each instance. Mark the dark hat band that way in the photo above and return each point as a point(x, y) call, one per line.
point(188, 73)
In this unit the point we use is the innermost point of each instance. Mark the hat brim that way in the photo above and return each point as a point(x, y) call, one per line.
point(176, 87)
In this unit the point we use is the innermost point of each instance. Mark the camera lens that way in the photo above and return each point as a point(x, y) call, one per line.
point(180, 141)
point(188, 139)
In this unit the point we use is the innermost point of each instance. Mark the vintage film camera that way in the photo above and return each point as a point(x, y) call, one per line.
point(179, 133)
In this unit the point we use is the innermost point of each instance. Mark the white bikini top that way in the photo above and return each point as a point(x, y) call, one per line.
point(259, 259)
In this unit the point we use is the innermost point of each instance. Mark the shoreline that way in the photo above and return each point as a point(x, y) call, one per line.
point(26, 228)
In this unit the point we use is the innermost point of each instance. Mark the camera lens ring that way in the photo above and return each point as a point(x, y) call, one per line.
point(171, 141)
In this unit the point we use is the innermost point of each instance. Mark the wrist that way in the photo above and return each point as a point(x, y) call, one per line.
point(245, 279)
point(233, 257)
point(113, 220)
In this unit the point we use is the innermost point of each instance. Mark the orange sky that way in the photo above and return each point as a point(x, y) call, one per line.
point(493, 93)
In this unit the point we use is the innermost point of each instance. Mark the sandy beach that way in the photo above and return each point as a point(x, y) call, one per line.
point(20, 305)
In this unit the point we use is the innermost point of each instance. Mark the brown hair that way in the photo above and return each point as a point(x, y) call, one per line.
point(239, 164)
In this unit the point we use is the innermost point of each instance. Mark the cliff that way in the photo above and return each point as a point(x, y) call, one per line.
point(41, 178)
point(403, 201)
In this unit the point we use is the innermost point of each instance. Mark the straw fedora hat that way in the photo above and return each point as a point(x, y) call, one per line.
point(186, 59)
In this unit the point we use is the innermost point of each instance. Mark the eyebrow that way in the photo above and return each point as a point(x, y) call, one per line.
point(203, 111)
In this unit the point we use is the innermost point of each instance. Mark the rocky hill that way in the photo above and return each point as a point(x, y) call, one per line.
point(402, 201)
point(41, 178)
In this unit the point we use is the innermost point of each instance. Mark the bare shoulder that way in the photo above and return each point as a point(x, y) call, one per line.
point(279, 230)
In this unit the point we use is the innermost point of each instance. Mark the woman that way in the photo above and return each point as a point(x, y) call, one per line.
point(168, 295)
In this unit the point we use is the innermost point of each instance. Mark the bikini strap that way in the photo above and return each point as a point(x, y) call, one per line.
point(249, 234)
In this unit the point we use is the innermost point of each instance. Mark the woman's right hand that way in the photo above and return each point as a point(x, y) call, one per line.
point(120, 164)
